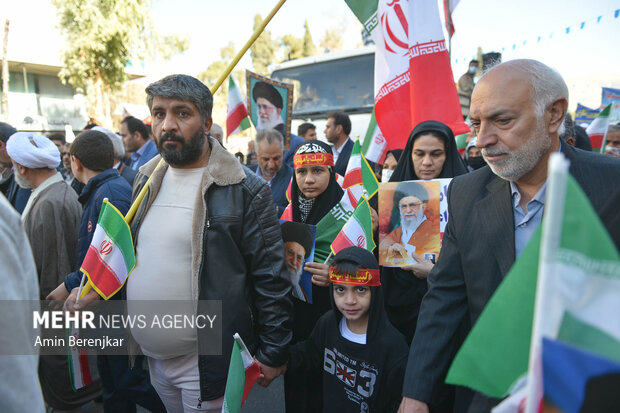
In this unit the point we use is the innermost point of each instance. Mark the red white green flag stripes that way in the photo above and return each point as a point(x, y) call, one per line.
point(413, 76)
point(237, 119)
point(375, 146)
point(328, 227)
point(357, 232)
point(359, 172)
point(242, 375)
point(79, 368)
point(110, 257)
point(597, 131)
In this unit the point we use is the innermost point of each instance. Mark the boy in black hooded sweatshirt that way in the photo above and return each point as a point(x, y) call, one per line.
point(361, 355)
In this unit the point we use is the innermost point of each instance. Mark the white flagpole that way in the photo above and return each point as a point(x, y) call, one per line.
point(80, 289)
point(555, 199)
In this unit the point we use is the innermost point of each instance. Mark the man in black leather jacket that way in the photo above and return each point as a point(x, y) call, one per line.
point(223, 243)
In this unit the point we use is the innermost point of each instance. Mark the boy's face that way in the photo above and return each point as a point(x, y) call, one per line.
point(353, 302)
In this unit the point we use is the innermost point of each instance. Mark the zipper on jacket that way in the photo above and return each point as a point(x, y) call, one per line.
point(199, 403)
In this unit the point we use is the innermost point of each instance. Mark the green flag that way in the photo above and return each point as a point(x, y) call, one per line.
point(495, 354)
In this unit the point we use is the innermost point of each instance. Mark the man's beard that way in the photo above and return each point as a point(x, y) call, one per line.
point(189, 152)
point(272, 122)
point(295, 274)
point(521, 160)
point(21, 179)
point(412, 223)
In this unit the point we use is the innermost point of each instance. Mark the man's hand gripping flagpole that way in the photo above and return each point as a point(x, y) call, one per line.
point(85, 289)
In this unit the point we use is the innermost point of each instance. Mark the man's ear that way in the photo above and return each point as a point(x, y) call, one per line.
point(208, 124)
point(78, 164)
point(557, 110)
point(21, 168)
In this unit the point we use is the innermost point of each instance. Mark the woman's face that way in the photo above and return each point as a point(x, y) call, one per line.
point(390, 162)
point(312, 180)
point(428, 156)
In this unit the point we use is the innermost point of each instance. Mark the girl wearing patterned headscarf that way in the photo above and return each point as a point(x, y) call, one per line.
point(314, 192)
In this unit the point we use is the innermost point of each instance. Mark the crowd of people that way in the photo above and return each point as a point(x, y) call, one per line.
point(371, 339)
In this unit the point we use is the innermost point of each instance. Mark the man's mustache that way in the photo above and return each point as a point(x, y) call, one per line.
point(171, 137)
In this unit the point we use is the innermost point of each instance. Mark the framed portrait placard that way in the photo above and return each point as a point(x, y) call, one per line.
point(299, 240)
point(270, 104)
point(412, 218)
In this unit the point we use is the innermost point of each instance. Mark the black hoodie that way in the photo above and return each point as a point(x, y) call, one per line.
point(356, 377)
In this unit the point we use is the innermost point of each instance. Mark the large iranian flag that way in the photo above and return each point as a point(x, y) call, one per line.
point(357, 232)
point(360, 173)
point(242, 374)
point(375, 146)
point(110, 257)
point(597, 131)
point(238, 118)
point(563, 288)
point(413, 77)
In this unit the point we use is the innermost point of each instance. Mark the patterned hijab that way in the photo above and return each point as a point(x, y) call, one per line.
point(311, 211)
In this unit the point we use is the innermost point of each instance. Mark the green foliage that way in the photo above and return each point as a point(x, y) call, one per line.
point(309, 49)
point(104, 36)
point(293, 47)
point(263, 51)
point(332, 40)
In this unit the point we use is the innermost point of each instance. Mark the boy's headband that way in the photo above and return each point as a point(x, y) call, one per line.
point(313, 159)
point(363, 277)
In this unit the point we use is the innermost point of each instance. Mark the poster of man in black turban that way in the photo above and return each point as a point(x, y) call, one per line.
point(270, 104)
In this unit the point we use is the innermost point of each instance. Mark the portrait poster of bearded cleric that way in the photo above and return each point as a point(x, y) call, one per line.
point(411, 221)
point(298, 249)
point(270, 104)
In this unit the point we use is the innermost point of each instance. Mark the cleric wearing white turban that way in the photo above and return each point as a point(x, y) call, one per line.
point(35, 159)
point(32, 150)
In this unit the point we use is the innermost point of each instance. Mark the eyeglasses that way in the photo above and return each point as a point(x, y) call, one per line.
point(410, 205)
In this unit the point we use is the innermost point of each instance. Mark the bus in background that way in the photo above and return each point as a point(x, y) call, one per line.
point(333, 81)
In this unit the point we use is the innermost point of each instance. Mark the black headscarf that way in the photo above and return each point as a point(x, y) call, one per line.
point(454, 164)
point(326, 200)
point(396, 153)
point(350, 258)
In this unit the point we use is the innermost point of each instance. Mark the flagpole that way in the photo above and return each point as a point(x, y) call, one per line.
point(77, 299)
point(328, 257)
point(555, 199)
point(245, 48)
point(136, 203)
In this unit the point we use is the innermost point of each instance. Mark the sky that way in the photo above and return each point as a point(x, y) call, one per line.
point(493, 25)
point(587, 57)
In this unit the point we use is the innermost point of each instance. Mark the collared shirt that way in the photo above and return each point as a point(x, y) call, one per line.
point(336, 151)
point(526, 223)
point(135, 156)
point(57, 177)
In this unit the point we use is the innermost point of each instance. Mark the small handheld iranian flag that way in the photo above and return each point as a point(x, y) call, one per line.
point(110, 257)
point(357, 232)
point(375, 146)
point(80, 369)
point(359, 172)
point(328, 227)
point(237, 119)
point(242, 375)
point(597, 131)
